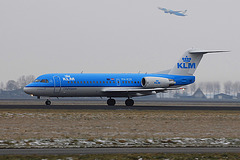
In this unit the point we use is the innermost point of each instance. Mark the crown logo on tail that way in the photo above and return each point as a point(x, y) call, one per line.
point(186, 59)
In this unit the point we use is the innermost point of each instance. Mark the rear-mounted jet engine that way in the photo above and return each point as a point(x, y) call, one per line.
point(157, 82)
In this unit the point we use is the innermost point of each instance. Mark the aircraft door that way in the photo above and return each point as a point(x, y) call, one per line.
point(118, 82)
point(57, 84)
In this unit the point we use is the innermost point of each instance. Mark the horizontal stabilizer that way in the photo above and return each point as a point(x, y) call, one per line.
point(206, 51)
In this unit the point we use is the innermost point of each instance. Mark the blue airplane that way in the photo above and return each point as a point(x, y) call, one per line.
point(177, 13)
point(118, 85)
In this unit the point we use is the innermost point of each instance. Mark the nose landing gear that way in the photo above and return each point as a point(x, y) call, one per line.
point(48, 102)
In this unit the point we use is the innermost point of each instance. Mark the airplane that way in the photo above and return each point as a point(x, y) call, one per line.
point(112, 85)
point(177, 13)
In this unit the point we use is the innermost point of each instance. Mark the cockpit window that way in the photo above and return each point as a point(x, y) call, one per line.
point(44, 81)
point(41, 80)
point(37, 80)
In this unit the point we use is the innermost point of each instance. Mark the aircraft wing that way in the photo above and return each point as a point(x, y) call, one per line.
point(163, 9)
point(132, 90)
point(177, 11)
point(137, 90)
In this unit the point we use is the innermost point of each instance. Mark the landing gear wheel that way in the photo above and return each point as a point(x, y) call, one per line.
point(111, 102)
point(129, 102)
point(48, 102)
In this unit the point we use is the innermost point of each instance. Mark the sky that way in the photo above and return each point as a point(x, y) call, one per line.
point(117, 36)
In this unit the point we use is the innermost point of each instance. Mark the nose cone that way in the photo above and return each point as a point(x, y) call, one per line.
point(27, 90)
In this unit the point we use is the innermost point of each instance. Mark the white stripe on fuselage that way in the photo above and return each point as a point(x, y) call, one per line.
point(77, 91)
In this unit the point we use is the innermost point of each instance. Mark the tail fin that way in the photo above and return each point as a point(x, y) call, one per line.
point(189, 61)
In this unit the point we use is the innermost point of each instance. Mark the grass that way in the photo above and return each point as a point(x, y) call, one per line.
point(91, 124)
point(118, 125)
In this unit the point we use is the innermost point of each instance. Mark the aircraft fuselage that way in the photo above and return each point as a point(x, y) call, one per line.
point(93, 85)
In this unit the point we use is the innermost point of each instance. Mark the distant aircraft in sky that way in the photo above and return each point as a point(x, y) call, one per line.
point(118, 85)
point(177, 13)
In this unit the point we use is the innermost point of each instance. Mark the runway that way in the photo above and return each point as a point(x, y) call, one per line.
point(172, 104)
point(81, 151)
point(105, 107)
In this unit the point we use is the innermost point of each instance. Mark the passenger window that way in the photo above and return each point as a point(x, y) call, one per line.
point(75, 82)
point(123, 82)
point(90, 81)
point(71, 81)
point(135, 82)
point(93, 81)
point(184, 80)
point(103, 82)
point(68, 82)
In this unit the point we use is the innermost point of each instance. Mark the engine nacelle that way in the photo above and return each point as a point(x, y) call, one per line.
point(157, 82)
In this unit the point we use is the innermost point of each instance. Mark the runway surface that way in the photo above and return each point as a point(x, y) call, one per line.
point(72, 151)
point(105, 107)
point(139, 105)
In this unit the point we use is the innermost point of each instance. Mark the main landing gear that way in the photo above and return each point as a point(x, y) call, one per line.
point(111, 102)
point(48, 102)
point(128, 102)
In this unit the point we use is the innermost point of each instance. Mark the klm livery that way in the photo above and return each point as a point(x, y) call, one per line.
point(177, 13)
point(117, 85)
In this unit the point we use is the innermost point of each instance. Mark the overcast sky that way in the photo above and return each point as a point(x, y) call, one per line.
point(117, 36)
